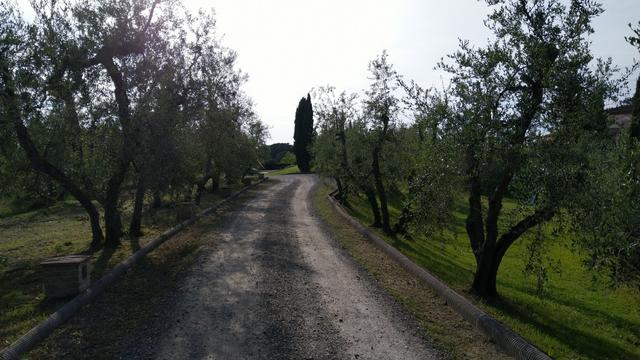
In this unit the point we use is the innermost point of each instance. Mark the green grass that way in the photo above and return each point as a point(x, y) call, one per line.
point(30, 237)
point(25, 240)
point(447, 331)
point(103, 328)
point(5, 209)
point(579, 316)
point(293, 169)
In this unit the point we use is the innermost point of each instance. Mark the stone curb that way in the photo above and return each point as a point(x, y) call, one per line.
point(509, 341)
point(47, 326)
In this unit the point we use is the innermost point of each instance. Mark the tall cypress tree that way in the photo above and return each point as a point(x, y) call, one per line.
point(303, 133)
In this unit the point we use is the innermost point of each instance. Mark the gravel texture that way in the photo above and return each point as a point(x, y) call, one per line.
point(275, 285)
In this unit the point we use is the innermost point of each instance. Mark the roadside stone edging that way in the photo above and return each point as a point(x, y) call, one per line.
point(509, 341)
point(47, 326)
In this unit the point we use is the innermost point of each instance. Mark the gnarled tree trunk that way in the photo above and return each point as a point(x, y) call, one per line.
point(136, 216)
point(490, 258)
point(382, 194)
point(112, 216)
point(375, 209)
point(342, 196)
point(215, 182)
point(157, 200)
point(200, 185)
point(41, 164)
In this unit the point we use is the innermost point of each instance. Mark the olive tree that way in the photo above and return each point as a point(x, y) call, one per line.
point(607, 215)
point(380, 110)
point(360, 144)
point(14, 91)
point(334, 114)
point(436, 172)
point(344, 146)
point(520, 107)
point(45, 68)
point(92, 90)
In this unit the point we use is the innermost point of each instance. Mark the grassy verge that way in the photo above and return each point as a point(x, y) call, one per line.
point(5, 209)
point(119, 318)
point(453, 336)
point(63, 229)
point(293, 169)
point(578, 316)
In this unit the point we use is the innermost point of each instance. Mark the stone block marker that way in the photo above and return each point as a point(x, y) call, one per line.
point(66, 275)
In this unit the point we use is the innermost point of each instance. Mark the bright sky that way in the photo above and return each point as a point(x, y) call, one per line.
point(290, 46)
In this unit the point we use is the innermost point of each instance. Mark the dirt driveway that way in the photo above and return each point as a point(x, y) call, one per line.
point(275, 285)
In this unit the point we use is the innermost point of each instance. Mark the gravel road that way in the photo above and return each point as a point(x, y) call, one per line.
point(275, 285)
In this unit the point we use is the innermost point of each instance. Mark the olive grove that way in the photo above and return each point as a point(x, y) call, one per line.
point(523, 118)
point(97, 97)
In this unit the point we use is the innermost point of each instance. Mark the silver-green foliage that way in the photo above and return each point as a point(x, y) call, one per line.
point(103, 94)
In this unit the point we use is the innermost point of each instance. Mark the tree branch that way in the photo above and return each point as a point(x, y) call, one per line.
point(507, 239)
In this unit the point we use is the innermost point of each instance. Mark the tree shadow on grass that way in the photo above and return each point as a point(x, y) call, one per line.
point(104, 253)
point(436, 262)
point(22, 300)
point(580, 341)
point(104, 328)
point(356, 213)
point(101, 265)
point(626, 325)
point(29, 216)
point(134, 242)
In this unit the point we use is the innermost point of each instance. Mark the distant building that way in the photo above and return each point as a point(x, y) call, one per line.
point(619, 118)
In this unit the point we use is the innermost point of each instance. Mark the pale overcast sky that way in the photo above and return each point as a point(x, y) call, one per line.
point(290, 46)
